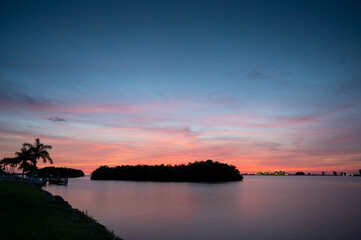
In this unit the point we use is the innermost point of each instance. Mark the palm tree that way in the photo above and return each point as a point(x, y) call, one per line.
point(23, 157)
point(38, 151)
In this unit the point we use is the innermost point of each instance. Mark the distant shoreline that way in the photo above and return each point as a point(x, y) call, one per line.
point(305, 175)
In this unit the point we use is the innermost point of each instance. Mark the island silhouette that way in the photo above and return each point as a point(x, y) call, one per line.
point(61, 172)
point(198, 171)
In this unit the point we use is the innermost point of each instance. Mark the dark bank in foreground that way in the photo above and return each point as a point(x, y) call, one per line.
point(199, 171)
point(28, 212)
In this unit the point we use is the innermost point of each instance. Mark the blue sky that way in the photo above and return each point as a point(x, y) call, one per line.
point(258, 84)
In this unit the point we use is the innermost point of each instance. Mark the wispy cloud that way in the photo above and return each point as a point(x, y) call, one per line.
point(56, 119)
point(178, 130)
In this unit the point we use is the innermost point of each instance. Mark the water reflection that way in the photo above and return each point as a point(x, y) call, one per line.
point(260, 207)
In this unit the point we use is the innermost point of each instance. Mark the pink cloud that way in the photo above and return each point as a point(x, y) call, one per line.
point(164, 132)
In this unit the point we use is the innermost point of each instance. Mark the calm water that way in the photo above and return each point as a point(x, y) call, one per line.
point(260, 207)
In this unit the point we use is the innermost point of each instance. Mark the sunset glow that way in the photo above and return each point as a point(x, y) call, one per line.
point(145, 91)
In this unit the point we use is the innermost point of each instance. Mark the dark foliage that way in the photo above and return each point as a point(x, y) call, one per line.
point(300, 173)
point(60, 172)
point(8, 165)
point(27, 158)
point(199, 171)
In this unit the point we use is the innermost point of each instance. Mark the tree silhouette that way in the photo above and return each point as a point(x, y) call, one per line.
point(24, 160)
point(38, 151)
point(8, 165)
point(60, 172)
point(198, 171)
point(27, 158)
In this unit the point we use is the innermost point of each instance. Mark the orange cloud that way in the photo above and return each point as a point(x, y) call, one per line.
point(174, 132)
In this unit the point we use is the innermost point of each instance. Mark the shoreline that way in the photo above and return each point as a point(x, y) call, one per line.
point(44, 215)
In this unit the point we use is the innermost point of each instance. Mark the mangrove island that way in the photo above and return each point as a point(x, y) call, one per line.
point(199, 171)
point(60, 172)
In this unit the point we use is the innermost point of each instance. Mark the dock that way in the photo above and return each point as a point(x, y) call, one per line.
point(56, 181)
point(37, 181)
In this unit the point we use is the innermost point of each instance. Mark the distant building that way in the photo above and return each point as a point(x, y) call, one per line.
point(280, 172)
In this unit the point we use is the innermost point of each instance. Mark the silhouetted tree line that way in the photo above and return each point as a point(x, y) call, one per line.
point(300, 173)
point(9, 165)
point(199, 171)
point(27, 158)
point(60, 172)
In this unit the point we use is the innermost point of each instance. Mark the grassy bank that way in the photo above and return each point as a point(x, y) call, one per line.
point(30, 213)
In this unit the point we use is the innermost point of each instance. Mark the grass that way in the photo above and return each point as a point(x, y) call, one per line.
point(27, 212)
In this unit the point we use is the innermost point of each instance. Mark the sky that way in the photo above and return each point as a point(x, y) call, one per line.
point(262, 85)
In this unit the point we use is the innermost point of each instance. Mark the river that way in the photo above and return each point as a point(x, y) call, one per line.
point(259, 207)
